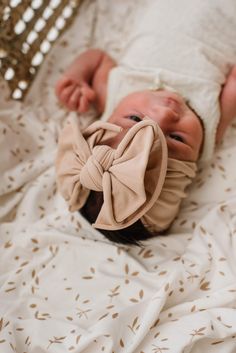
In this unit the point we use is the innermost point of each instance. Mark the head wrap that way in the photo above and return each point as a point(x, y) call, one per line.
point(137, 178)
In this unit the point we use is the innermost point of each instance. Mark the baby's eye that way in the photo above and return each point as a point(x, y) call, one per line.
point(176, 137)
point(134, 118)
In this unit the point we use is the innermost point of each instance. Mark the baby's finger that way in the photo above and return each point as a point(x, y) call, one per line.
point(66, 93)
point(74, 99)
point(84, 104)
point(61, 84)
point(88, 92)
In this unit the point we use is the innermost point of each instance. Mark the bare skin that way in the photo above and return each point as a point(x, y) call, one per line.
point(179, 124)
point(85, 83)
point(227, 104)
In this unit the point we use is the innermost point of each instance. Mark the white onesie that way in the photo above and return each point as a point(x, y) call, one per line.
point(185, 45)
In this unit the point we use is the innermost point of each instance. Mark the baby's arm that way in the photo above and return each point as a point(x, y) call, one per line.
point(227, 104)
point(85, 81)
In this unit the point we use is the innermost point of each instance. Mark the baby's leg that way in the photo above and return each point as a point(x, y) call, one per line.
point(227, 104)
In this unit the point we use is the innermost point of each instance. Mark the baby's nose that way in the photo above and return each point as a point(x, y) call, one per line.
point(167, 118)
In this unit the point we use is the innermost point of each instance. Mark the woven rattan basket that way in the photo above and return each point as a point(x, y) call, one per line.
point(28, 29)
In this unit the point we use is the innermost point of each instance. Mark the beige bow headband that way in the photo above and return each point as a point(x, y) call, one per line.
point(137, 179)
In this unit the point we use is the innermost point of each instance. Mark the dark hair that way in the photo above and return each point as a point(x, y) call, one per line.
point(131, 235)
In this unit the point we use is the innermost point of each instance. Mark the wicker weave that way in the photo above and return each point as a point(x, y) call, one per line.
point(28, 28)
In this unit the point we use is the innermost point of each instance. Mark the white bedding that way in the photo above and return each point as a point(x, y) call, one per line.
point(63, 287)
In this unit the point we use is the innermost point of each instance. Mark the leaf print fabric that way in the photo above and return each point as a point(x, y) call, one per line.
point(63, 286)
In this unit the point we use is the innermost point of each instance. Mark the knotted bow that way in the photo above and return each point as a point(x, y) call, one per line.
point(131, 176)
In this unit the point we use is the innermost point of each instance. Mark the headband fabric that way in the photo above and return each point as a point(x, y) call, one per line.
point(137, 178)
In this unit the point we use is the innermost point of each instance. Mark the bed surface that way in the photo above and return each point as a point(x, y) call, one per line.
point(63, 287)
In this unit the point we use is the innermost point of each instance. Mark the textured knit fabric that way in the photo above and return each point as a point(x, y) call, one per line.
point(186, 45)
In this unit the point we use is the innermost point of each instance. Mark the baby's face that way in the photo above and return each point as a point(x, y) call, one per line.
point(180, 125)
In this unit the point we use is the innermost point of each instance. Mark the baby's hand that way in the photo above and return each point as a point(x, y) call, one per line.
point(227, 104)
point(75, 95)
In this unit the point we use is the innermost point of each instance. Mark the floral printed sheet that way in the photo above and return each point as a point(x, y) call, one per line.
point(63, 287)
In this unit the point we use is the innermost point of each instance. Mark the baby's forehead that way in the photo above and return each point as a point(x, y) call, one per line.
point(138, 96)
point(153, 93)
point(134, 97)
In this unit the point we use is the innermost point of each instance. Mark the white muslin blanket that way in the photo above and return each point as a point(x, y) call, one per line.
point(63, 286)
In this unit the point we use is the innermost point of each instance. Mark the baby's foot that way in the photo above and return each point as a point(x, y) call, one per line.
point(75, 95)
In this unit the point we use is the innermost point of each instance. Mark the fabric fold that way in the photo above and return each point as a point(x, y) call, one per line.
point(131, 176)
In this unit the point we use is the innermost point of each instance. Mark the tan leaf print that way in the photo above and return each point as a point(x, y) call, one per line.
point(223, 207)
point(115, 315)
point(77, 339)
point(140, 296)
point(134, 273)
point(83, 313)
point(158, 349)
point(128, 274)
point(10, 289)
point(205, 286)
point(92, 269)
point(198, 332)
point(56, 340)
point(8, 244)
point(114, 292)
point(167, 286)
point(217, 342)
point(177, 258)
point(155, 324)
point(122, 343)
point(134, 326)
point(162, 273)
point(103, 316)
point(219, 319)
point(203, 230)
point(147, 254)
point(126, 269)
point(42, 316)
point(133, 300)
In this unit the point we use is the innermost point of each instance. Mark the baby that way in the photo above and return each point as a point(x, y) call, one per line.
point(163, 104)
point(85, 83)
point(180, 131)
